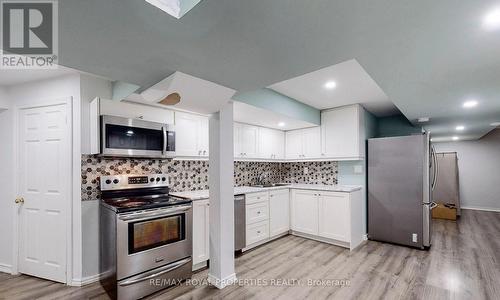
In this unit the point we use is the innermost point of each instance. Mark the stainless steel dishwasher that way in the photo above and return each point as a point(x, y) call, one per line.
point(239, 222)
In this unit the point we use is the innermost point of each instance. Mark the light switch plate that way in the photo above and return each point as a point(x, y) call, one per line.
point(358, 169)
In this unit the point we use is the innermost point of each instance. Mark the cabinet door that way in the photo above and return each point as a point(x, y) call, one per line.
point(187, 134)
point(257, 212)
point(304, 212)
point(136, 111)
point(200, 231)
point(278, 144)
point(312, 142)
point(340, 132)
point(249, 141)
point(279, 212)
point(236, 140)
point(204, 136)
point(334, 216)
point(267, 143)
point(294, 147)
point(257, 232)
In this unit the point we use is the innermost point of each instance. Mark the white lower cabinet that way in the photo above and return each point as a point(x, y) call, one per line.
point(257, 212)
point(201, 228)
point(334, 216)
point(257, 232)
point(304, 211)
point(279, 212)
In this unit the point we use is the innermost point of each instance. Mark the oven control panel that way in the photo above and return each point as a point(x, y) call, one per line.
point(123, 182)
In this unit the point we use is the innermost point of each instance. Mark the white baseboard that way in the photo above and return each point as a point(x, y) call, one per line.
point(221, 283)
point(6, 268)
point(481, 208)
point(85, 280)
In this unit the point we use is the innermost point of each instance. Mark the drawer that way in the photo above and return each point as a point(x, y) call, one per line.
point(257, 212)
point(256, 197)
point(257, 232)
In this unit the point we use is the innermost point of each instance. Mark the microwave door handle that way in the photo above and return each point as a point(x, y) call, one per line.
point(164, 149)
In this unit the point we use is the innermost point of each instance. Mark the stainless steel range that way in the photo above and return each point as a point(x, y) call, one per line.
point(146, 235)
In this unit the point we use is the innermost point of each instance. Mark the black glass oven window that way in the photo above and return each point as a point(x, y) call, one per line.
point(124, 137)
point(154, 233)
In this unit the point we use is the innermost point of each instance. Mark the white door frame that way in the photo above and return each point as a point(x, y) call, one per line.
point(69, 205)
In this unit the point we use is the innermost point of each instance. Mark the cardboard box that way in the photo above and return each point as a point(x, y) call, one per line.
point(445, 211)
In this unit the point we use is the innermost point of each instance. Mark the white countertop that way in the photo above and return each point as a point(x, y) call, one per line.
point(204, 194)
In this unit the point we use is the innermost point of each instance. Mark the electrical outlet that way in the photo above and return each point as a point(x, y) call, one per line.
point(306, 170)
point(358, 169)
point(414, 238)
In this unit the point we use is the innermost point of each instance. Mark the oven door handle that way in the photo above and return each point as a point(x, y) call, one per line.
point(155, 273)
point(154, 214)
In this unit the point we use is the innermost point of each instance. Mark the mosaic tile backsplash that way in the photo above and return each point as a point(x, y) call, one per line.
point(193, 175)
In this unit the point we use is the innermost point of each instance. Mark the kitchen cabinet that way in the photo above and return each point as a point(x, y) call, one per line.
point(334, 216)
point(136, 111)
point(279, 212)
point(342, 133)
point(246, 141)
point(201, 244)
point(257, 212)
point(304, 211)
point(303, 143)
point(271, 143)
point(257, 232)
point(191, 135)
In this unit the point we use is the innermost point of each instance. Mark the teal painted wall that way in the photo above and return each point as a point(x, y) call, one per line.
point(273, 101)
point(395, 126)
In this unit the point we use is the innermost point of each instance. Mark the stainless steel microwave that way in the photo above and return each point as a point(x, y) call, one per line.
point(122, 137)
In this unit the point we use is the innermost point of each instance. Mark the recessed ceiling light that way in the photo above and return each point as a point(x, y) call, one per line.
point(495, 124)
point(423, 119)
point(491, 20)
point(455, 138)
point(330, 85)
point(470, 103)
point(281, 124)
point(460, 128)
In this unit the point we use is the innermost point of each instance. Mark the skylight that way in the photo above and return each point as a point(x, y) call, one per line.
point(175, 8)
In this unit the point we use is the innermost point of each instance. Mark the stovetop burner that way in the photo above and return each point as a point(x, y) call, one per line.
point(146, 202)
point(124, 193)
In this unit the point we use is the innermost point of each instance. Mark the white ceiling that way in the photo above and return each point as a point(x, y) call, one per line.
point(249, 114)
point(197, 95)
point(354, 85)
point(14, 77)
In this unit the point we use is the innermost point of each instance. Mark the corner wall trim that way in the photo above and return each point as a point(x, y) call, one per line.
point(85, 280)
point(221, 283)
point(481, 208)
point(6, 268)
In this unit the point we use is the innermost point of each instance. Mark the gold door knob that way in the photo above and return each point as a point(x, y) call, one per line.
point(19, 200)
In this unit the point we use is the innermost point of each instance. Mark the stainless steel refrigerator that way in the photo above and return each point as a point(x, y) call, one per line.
point(400, 180)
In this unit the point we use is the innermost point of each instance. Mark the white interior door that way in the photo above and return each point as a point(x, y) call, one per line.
point(44, 167)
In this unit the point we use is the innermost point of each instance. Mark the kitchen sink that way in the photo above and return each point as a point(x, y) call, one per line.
point(270, 185)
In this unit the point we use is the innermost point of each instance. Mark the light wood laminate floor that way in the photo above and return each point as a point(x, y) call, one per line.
point(463, 263)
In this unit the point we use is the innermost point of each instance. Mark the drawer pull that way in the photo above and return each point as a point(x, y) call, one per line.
point(258, 231)
point(258, 212)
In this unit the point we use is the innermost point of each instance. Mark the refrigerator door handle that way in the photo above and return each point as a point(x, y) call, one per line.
point(435, 165)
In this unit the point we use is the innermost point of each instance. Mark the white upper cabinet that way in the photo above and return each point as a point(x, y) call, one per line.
point(303, 143)
point(246, 141)
point(136, 111)
point(342, 133)
point(271, 143)
point(191, 132)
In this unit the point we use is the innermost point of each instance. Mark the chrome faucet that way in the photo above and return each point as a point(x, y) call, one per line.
point(261, 178)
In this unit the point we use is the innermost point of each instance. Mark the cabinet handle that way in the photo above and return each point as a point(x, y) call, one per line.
point(258, 232)
point(204, 152)
point(258, 212)
point(199, 152)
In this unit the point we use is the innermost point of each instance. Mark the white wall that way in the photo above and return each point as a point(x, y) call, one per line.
point(24, 94)
point(90, 87)
point(479, 170)
point(6, 187)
